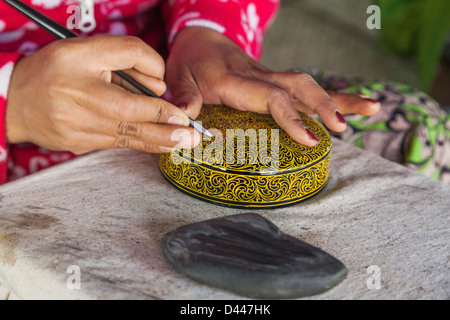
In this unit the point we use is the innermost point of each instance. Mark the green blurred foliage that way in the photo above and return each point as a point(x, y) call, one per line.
point(419, 28)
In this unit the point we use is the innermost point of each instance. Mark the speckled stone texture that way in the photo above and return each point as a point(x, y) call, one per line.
point(108, 211)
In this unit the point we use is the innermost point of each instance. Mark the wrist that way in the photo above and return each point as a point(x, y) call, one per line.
point(203, 41)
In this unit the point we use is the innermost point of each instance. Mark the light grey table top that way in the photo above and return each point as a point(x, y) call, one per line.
point(106, 213)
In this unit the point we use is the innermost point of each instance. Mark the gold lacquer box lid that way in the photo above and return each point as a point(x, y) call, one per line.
point(250, 162)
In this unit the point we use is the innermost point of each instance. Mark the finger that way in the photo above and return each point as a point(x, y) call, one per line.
point(347, 103)
point(148, 147)
point(78, 126)
point(151, 133)
point(180, 139)
point(263, 97)
point(122, 53)
point(186, 94)
point(101, 142)
point(116, 103)
point(352, 103)
point(157, 86)
point(304, 88)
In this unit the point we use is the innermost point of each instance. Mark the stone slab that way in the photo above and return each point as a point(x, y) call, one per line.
point(107, 212)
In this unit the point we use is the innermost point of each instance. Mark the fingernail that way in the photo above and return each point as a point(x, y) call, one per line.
point(178, 121)
point(185, 138)
point(182, 136)
point(182, 106)
point(340, 117)
point(372, 101)
point(165, 149)
point(311, 135)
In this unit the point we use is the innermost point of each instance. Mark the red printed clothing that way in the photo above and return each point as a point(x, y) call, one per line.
point(155, 21)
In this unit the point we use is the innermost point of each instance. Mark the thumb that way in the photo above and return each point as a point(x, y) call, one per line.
point(187, 96)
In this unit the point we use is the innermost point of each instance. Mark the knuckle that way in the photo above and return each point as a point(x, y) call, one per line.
point(161, 113)
point(304, 78)
point(277, 94)
point(124, 128)
point(134, 45)
point(122, 143)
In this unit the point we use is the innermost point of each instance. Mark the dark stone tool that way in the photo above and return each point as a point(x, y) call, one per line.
point(248, 255)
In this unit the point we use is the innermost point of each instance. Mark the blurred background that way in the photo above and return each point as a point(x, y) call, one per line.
point(412, 47)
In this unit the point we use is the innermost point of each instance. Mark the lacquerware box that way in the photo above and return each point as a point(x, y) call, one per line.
point(250, 162)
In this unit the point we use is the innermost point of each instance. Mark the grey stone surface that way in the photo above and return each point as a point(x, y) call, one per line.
point(4, 292)
point(107, 212)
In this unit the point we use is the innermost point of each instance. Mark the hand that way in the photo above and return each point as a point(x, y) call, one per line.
point(206, 67)
point(66, 97)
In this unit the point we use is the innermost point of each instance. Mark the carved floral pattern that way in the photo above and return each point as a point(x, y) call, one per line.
point(299, 173)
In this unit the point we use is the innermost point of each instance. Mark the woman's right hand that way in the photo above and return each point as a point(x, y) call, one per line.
point(66, 97)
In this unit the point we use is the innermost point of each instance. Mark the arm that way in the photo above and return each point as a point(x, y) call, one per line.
point(211, 65)
point(244, 21)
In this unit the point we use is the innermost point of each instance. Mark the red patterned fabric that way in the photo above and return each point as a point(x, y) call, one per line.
point(155, 21)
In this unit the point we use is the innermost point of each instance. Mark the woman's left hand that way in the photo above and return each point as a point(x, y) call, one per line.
point(207, 67)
